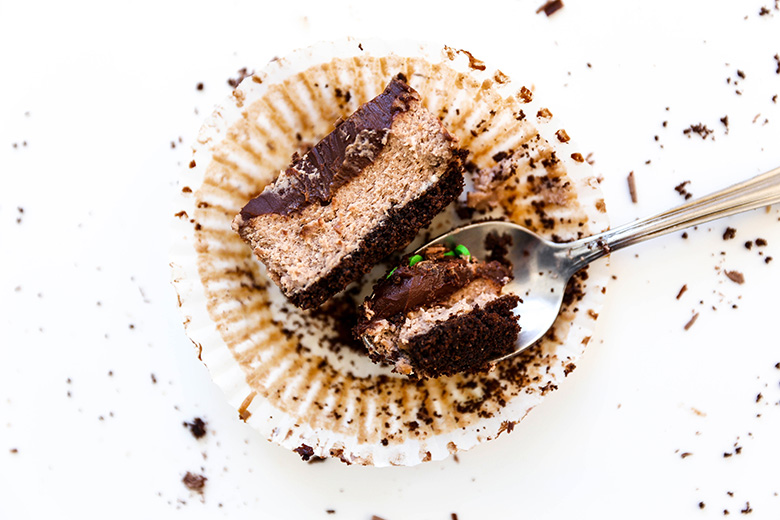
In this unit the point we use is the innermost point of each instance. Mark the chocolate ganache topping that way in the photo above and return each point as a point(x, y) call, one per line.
point(427, 283)
point(337, 158)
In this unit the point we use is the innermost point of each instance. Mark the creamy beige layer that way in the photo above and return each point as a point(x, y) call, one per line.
point(388, 337)
point(301, 248)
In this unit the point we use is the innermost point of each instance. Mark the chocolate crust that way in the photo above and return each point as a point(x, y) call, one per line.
point(395, 232)
point(466, 343)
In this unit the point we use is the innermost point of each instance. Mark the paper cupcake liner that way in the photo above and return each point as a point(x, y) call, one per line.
point(288, 372)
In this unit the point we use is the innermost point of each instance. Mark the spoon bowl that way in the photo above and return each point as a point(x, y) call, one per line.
point(542, 268)
point(540, 271)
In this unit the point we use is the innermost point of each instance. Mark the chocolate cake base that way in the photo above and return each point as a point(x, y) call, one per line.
point(400, 228)
point(467, 342)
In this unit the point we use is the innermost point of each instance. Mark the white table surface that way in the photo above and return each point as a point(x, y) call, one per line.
point(98, 103)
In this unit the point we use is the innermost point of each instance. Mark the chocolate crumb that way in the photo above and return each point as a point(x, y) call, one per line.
point(763, 11)
point(154, 379)
point(454, 516)
point(735, 276)
point(725, 121)
point(14, 450)
point(777, 59)
point(760, 242)
point(691, 321)
point(331, 511)
point(682, 290)
point(192, 163)
point(701, 505)
point(194, 481)
point(306, 452)
point(526, 95)
point(749, 245)
point(550, 7)
point(699, 129)
point(685, 454)
point(243, 73)
point(767, 259)
point(729, 233)
point(747, 509)
point(197, 427)
point(740, 74)
point(562, 136)
point(680, 188)
point(632, 187)
point(199, 86)
point(577, 157)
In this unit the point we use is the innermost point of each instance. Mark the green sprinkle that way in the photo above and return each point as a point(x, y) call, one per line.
point(391, 273)
point(449, 253)
point(462, 250)
point(413, 260)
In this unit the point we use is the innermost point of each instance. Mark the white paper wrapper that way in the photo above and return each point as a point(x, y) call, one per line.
point(287, 371)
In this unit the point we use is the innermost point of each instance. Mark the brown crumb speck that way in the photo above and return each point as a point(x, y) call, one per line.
point(735, 276)
point(550, 7)
point(577, 157)
point(562, 136)
point(729, 233)
point(306, 452)
point(632, 187)
point(682, 291)
point(197, 427)
point(681, 189)
point(194, 481)
point(526, 95)
point(691, 321)
point(700, 129)
point(243, 73)
point(199, 86)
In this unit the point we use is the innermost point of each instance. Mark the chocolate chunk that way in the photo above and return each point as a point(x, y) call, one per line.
point(197, 427)
point(338, 158)
point(729, 233)
point(306, 452)
point(194, 481)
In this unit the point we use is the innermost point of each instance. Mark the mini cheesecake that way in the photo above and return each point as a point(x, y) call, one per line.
point(361, 193)
point(440, 313)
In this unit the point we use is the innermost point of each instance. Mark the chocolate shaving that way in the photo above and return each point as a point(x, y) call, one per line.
point(691, 321)
point(632, 187)
point(735, 276)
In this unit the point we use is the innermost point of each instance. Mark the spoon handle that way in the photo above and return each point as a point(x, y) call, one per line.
point(762, 190)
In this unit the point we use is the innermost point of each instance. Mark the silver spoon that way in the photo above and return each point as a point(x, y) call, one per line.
point(543, 268)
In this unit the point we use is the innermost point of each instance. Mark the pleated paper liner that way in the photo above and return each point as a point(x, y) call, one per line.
point(296, 376)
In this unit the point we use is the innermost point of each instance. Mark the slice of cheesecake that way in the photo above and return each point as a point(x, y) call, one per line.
point(361, 193)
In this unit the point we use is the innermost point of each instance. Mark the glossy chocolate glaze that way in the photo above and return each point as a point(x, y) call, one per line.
point(338, 158)
point(427, 283)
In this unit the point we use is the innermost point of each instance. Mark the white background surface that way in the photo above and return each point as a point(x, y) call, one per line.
point(99, 91)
